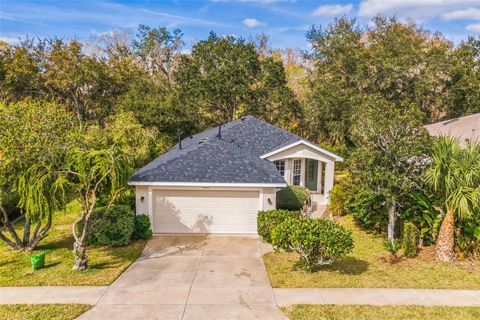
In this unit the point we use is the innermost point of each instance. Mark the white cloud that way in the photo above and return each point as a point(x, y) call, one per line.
point(467, 14)
point(332, 10)
point(473, 27)
point(416, 9)
point(253, 23)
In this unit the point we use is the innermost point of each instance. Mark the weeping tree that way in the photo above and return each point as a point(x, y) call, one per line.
point(454, 174)
point(91, 173)
point(34, 137)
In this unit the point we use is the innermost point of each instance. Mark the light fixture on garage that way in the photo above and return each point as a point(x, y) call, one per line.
point(142, 199)
point(269, 201)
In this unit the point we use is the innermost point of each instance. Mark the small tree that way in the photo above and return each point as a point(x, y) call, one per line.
point(391, 153)
point(91, 173)
point(321, 242)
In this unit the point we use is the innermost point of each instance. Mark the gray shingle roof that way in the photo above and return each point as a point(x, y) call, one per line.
point(234, 158)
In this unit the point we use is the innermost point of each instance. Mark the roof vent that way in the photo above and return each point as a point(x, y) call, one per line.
point(203, 140)
point(243, 118)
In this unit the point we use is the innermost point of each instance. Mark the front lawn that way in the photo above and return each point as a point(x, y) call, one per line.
point(357, 312)
point(106, 264)
point(42, 311)
point(365, 268)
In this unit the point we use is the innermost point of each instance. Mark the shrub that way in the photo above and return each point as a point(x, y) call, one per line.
point(409, 240)
point(268, 220)
point(467, 238)
point(421, 211)
point(112, 227)
point(141, 228)
point(292, 197)
point(392, 248)
point(368, 209)
point(340, 195)
point(319, 241)
point(281, 234)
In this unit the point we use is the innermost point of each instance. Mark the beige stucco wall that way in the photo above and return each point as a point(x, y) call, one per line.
point(141, 207)
point(269, 194)
point(300, 151)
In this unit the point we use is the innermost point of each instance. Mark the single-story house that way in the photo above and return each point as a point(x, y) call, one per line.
point(216, 181)
point(464, 128)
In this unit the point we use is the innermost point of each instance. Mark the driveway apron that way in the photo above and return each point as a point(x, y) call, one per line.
point(192, 277)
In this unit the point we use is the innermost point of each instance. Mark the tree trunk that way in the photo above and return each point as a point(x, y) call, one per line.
point(79, 250)
point(446, 238)
point(42, 234)
point(26, 231)
point(80, 253)
point(16, 244)
point(392, 218)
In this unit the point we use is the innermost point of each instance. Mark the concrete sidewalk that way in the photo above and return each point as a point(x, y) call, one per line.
point(373, 296)
point(45, 295)
point(283, 297)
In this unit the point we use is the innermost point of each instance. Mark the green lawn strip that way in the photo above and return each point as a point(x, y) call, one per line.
point(42, 311)
point(365, 268)
point(106, 264)
point(361, 312)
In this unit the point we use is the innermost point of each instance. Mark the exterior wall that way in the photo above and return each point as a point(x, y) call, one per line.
point(269, 198)
point(329, 177)
point(141, 207)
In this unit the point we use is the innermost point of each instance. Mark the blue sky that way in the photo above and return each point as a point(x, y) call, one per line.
point(286, 22)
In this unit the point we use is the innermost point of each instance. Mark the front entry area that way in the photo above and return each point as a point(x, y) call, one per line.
point(205, 211)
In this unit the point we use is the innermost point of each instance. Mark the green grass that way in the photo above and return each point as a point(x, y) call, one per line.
point(356, 312)
point(365, 267)
point(105, 264)
point(42, 311)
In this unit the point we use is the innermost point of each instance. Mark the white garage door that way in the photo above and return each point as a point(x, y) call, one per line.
point(205, 211)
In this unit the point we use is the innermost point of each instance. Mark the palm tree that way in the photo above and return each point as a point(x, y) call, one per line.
point(455, 175)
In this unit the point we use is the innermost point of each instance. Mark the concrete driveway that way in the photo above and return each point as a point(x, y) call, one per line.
point(192, 277)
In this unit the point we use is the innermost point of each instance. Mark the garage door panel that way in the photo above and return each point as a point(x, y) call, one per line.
point(205, 211)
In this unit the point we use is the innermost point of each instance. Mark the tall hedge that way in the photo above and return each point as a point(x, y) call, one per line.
point(409, 240)
point(340, 195)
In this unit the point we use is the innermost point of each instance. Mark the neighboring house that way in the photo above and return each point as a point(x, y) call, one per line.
point(464, 128)
point(216, 181)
